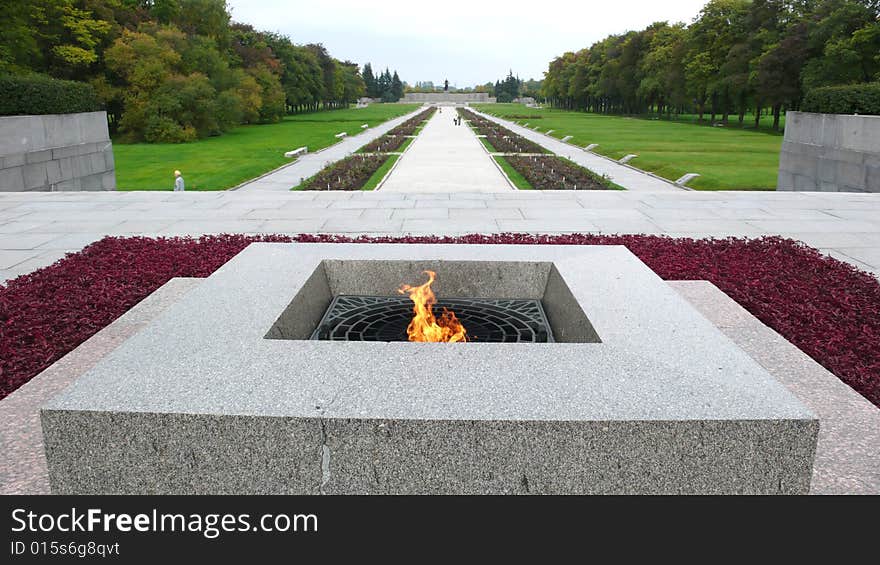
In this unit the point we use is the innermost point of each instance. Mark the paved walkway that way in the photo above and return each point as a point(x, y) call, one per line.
point(287, 177)
point(446, 158)
point(627, 177)
point(38, 228)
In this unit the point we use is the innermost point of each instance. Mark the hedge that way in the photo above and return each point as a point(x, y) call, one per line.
point(38, 94)
point(850, 99)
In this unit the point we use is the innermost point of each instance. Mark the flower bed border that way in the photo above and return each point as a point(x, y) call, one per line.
point(827, 308)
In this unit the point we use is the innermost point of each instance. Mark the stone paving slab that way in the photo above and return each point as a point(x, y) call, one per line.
point(38, 228)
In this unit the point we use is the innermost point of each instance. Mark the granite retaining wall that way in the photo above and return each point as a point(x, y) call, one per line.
point(58, 152)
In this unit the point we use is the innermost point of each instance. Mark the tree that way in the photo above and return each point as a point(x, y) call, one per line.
point(209, 18)
point(507, 89)
point(177, 70)
point(396, 87)
point(272, 107)
point(779, 69)
point(50, 36)
point(355, 86)
point(383, 86)
point(370, 81)
point(18, 39)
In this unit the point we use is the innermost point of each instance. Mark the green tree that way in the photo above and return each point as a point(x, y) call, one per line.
point(19, 51)
point(209, 18)
point(353, 81)
point(370, 81)
point(779, 69)
point(396, 87)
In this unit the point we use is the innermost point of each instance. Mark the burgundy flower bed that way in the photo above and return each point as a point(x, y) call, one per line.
point(556, 173)
point(502, 139)
point(409, 127)
point(351, 173)
point(384, 144)
point(827, 308)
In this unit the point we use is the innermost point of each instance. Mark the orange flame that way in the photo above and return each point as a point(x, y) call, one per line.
point(424, 325)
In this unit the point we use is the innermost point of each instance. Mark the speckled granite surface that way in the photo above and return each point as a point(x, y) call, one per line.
point(665, 399)
point(23, 465)
point(848, 452)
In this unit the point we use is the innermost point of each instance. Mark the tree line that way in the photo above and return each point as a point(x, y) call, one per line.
point(173, 70)
point(384, 86)
point(736, 57)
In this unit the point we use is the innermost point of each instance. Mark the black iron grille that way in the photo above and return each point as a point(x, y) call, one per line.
point(385, 318)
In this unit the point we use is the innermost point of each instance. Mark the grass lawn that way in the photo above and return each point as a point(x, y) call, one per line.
point(218, 163)
point(726, 158)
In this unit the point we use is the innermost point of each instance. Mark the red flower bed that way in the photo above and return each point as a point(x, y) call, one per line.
point(384, 144)
point(557, 173)
point(830, 310)
point(351, 173)
point(409, 127)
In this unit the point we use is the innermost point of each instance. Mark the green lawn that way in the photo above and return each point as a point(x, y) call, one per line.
point(218, 163)
point(726, 158)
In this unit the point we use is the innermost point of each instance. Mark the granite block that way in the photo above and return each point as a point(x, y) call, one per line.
point(662, 403)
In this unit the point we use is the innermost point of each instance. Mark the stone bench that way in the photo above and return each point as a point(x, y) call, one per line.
point(296, 152)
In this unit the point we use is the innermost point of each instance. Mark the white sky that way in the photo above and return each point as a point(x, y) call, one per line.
point(468, 42)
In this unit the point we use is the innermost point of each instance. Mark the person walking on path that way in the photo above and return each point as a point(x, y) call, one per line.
point(178, 182)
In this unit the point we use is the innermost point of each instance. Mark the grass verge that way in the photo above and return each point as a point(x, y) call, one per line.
point(218, 163)
point(726, 158)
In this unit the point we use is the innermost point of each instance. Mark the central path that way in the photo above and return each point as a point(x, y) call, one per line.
point(446, 158)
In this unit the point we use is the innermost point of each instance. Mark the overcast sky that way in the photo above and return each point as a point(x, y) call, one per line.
point(468, 42)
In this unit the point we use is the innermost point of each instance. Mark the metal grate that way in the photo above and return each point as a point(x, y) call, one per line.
point(385, 318)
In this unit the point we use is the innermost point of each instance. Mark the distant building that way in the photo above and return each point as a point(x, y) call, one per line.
point(453, 97)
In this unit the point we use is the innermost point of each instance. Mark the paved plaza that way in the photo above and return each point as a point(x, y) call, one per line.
point(38, 228)
point(446, 158)
point(445, 184)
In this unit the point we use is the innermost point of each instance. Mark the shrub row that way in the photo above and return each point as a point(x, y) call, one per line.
point(505, 141)
point(501, 138)
point(409, 127)
point(384, 144)
point(850, 99)
point(351, 173)
point(554, 173)
point(40, 95)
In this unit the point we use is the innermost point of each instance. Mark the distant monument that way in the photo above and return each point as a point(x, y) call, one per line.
point(445, 86)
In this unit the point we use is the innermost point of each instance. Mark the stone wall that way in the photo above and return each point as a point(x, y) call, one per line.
point(454, 97)
point(56, 152)
point(830, 153)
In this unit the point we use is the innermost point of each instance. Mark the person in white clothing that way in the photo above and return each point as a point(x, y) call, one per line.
point(178, 182)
